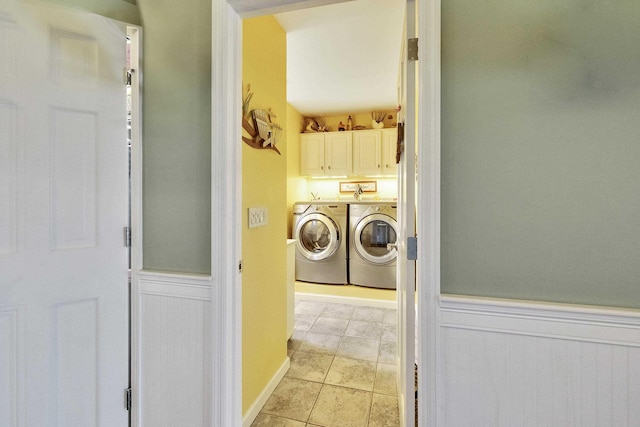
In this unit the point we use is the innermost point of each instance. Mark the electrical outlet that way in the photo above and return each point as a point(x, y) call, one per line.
point(257, 217)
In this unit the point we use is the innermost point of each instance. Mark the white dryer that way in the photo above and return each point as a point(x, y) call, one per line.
point(320, 229)
point(372, 225)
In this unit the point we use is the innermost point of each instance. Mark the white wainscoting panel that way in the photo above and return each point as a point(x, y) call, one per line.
point(520, 364)
point(174, 350)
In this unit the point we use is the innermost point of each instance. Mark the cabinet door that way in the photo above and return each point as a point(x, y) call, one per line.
point(312, 154)
point(338, 150)
point(389, 141)
point(367, 152)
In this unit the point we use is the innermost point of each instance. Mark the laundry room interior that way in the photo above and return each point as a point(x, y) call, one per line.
point(329, 153)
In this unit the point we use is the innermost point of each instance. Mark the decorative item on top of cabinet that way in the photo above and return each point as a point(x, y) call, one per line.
point(263, 132)
point(326, 154)
point(377, 120)
point(315, 124)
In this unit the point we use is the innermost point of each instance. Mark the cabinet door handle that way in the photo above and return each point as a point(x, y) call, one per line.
point(329, 167)
point(321, 168)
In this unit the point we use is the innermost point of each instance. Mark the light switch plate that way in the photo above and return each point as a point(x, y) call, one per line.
point(258, 216)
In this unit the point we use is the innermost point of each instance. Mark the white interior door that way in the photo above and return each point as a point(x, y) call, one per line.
point(63, 206)
point(407, 229)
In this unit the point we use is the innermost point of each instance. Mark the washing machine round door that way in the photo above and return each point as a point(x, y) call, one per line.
point(371, 236)
point(318, 236)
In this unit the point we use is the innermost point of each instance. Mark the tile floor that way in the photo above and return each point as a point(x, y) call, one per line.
point(342, 372)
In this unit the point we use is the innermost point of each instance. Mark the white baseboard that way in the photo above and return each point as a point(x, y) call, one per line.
point(254, 410)
point(369, 302)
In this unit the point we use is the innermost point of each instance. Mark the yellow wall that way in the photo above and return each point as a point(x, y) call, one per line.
point(264, 183)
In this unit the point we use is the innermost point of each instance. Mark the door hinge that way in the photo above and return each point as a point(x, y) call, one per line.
point(127, 237)
point(127, 399)
point(412, 248)
point(126, 76)
point(412, 52)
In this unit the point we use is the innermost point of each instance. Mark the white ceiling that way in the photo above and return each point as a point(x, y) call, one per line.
point(343, 58)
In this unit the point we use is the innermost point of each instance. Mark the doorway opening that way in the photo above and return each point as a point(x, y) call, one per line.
point(289, 201)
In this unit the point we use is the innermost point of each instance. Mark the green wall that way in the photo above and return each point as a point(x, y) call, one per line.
point(176, 92)
point(120, 10)
point(176, 63)
point(541, 150)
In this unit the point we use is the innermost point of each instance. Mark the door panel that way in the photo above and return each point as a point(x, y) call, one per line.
point(63, 195)
point(406, 220)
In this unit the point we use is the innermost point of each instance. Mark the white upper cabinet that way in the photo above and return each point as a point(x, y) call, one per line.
point(367, 152)
point(360, 153)
point(389, 143)
point(326, 153)
point(312, 154)
point(338, 153)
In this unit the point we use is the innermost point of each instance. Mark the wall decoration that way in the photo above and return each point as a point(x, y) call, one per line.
point(263, 131)
point(365, 186)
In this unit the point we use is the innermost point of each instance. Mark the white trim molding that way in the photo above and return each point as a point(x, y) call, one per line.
point(369, 302)
point(226, 206)
point(613, 326)
point(428, 208)
point(504, 362)
point(175, 285)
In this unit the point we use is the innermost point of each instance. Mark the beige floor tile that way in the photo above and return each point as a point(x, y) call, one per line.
point(304, 322)
point(352, 373)
point(296, 339)
point(389, 332)
point(341, 407)
point(320, 343)
point(369, 314)
point(391, 316)
point(309, 366)
point(361, 329)
point(384, 411)
point(329, 326)
point(266, 420)
point(386, 382)
point(293, 399)
point(338, 311)
point(387, 352)
point(309, 307)
point(359, 348)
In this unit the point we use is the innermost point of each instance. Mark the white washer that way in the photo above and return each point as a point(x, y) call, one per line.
point(372, 225)
point(320, 229)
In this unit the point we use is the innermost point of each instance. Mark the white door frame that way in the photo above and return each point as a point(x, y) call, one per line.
point(226, 212)
point(428, 222)
point(226, 208)
point(135, 34)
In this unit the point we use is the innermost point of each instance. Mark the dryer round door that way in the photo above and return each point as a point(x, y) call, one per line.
point(318, 236)
point(372, 233)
